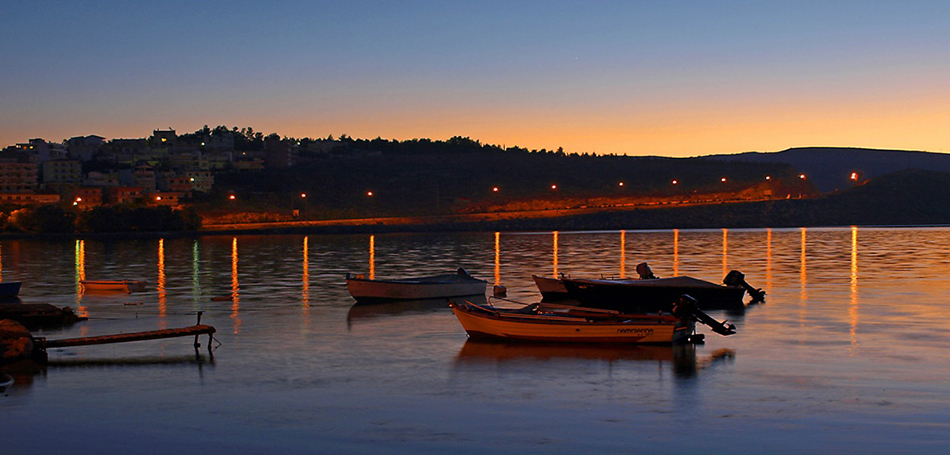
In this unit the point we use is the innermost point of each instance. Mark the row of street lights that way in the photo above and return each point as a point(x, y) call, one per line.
point(554, 187)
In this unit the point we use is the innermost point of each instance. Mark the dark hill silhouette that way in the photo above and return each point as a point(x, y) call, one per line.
point(432, 183)
point(908, 198)
point(830, 168)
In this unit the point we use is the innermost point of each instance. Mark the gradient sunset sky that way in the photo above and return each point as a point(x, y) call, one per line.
point(662, 78)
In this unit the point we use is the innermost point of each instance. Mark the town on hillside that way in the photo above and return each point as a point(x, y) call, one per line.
point(162, 170)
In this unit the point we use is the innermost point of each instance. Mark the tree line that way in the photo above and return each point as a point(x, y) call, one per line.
point(56, 219)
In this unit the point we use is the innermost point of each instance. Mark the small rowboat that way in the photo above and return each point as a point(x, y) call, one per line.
point(458, 284)
point(572, 325)
point(113, 285)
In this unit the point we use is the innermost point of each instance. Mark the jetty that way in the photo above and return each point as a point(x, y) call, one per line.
point(17, 342)
point(40, 344)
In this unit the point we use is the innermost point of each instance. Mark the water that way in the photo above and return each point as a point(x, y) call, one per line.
point(847, 355)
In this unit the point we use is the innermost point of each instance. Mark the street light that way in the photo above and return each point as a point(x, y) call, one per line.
point(723, 180)
point(554, 187)
point(801, 176)
point(854, 176)
point(369, 193)
point(494, 189)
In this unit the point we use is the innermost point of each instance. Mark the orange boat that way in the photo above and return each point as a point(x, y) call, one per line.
point(571, 324)
point(127, 286)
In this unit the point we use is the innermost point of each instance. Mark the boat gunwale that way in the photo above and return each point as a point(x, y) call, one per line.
point(620, 319)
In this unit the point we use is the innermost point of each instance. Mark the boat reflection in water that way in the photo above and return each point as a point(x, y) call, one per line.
point(682, 357)
point(365, 312)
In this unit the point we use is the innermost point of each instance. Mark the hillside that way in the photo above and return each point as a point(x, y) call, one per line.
point(440, 183)
point(910, 197)
point(830, 168)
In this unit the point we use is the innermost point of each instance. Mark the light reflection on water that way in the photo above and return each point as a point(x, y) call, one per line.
point(850, 338)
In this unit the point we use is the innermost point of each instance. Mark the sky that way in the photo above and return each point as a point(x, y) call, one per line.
point(666, 78)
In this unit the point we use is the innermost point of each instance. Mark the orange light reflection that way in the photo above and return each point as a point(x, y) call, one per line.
point(235, 287)
point(768, 261)
point(497, 258)
point(372, 257)
point(623, 254)
point(80, 275)
point(555, 254)
point(676, 252)
point(305, 292)
point(160, 286)
point(725, 252)
point(853, 308)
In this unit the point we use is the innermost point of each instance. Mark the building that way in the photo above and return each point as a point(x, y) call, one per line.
point(167, 198)
point(176, 183)
point(144, 176)
point(125, 194)
point(102, 179)
point(87, 197)
point(85, 148)
point(163, 139)
point(68, 171)
point(201, 180)
point(28, 198)
point(280, 154)
point(18, 176)
point(40, 151)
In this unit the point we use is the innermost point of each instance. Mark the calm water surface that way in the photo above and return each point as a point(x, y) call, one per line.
point(848, 354)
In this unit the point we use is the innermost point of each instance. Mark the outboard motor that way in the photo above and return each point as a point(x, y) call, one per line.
point(644, 271)
point(736, 278)
point(686, 307)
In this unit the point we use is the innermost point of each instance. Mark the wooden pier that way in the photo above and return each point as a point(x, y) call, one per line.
point(195, 331)
point(40, 345)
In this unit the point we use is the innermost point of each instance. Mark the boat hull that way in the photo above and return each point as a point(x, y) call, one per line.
point(481, 323)
point(10, 289)
point(550, 288)
point(368, 291)
point(649, 296)
point(113, 285)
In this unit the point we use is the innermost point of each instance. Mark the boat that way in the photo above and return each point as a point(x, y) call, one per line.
point(128, 286)
point(551, 288)
point(10, 289)
point(458, 284)
point(650, 294)
point(568, 324)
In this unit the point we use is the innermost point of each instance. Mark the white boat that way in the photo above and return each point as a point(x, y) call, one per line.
point(551, 288)
point(457, 284)
point(113, 285)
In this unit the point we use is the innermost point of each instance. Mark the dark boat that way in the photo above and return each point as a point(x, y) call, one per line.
point(650, 294)
point(9, 289)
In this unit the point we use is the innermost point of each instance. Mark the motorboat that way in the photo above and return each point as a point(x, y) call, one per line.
point(458, 284)
point(567, 324)
point(127, 286)
point(650, 294)
point(551, 288)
